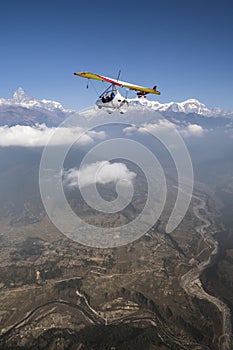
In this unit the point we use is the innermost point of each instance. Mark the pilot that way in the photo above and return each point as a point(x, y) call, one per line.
point(108, 98)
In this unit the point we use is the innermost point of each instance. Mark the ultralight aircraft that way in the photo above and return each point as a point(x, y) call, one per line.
point(111, 99)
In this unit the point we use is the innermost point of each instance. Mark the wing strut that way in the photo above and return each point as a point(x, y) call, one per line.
point(118, 76)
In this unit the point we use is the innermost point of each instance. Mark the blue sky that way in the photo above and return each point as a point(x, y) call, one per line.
point(184, 47)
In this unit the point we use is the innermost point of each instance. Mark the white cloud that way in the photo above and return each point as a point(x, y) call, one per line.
point(129, 130)
point(192, 130)
point(39, 135)
point(164, 126)
point(101, 172)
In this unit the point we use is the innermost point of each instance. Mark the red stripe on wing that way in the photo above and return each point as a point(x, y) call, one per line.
point(109, 80)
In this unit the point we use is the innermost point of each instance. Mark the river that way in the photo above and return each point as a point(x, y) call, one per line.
point(191, 282)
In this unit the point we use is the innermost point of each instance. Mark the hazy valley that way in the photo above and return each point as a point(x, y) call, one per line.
point(160, 291)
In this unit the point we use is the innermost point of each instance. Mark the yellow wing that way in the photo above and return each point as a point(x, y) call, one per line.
point(89, 75)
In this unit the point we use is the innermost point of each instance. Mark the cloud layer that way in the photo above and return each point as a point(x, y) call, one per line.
point(39, 135)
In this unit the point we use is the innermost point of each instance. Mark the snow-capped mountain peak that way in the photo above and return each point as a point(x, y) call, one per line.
point(21, 99)
point(193, 106)
point(24, 109)
point(187, 107)
point(20, 96)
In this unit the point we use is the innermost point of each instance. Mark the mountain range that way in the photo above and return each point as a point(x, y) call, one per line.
point(22, 109)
